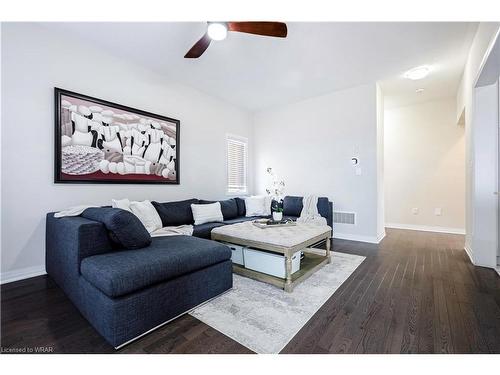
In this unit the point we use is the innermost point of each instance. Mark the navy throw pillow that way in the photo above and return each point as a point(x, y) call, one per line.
point(228, 207)
point(292, 206)
point(124, 228)
point(242, 209)
point(175, 213)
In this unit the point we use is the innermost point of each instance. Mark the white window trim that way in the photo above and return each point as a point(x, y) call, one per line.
point(245, 140)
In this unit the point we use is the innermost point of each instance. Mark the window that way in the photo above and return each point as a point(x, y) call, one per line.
point(236, 149)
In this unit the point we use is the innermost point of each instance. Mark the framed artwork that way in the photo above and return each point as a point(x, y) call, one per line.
point(97, 141)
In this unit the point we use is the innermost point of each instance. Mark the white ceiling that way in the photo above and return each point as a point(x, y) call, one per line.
point(256, 72)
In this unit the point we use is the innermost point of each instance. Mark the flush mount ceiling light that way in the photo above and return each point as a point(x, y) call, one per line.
point(417, 73)
point(217, 30)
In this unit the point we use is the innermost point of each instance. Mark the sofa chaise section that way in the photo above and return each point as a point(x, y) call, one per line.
point(122, 272)
point(123, 319)
point(126, 293)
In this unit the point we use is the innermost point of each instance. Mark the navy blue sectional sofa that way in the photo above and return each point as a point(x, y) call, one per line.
point(126, 283)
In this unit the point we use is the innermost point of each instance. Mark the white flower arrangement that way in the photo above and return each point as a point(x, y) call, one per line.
point(276, 187)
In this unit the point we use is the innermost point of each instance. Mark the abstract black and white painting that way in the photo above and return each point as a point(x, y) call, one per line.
point(102, 142)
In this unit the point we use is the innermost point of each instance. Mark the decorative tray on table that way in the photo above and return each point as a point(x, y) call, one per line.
point(269, 223)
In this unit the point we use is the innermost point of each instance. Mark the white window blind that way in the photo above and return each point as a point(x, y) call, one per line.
point(236, 164)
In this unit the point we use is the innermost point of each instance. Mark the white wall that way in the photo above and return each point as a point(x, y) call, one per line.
point(483, 39)
point(310, 144)
point(34, 61)
point(425, 167)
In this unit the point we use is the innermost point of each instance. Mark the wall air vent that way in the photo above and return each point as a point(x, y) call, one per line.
point(344, 218)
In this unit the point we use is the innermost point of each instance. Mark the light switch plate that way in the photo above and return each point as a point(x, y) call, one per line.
point(358, 171)
point(438, 211)
point(414, 211)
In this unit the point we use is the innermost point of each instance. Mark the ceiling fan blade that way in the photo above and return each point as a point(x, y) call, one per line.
point(199, 47)
point(277, 29)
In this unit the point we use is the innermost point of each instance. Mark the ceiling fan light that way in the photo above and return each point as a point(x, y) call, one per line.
point(417, 73)
point(217, 31)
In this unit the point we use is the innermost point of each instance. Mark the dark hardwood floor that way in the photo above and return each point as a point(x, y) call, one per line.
point(416, 292)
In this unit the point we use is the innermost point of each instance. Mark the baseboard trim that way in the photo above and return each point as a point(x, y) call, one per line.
point(356, 237)
point(468, 251)
point(20, 274)
point(426, 228)
point(380, 236)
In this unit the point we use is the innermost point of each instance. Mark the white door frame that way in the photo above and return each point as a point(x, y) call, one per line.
point(485, 159)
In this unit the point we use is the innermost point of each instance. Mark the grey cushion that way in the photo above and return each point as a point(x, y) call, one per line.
point(292, 206)
point(124, 228)
point(204, 230)
point(123, 272)
point(242, 209)
point(228, 207)
point(175, 213)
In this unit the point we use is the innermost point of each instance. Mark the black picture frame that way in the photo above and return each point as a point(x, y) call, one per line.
point(60, 177)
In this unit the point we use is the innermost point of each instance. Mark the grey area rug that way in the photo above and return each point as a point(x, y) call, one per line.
point(265, 318)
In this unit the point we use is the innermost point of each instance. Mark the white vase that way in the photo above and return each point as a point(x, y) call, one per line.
point(277, 216)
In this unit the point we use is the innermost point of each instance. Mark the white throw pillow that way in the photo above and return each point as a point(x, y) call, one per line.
point(124, 204)
point(256, 206)
point(147, 214)
point(206, 213)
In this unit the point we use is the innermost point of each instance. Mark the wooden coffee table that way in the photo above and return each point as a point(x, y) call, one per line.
point(282, 240)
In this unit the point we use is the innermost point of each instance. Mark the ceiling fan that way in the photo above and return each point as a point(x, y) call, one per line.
point(218, 31)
